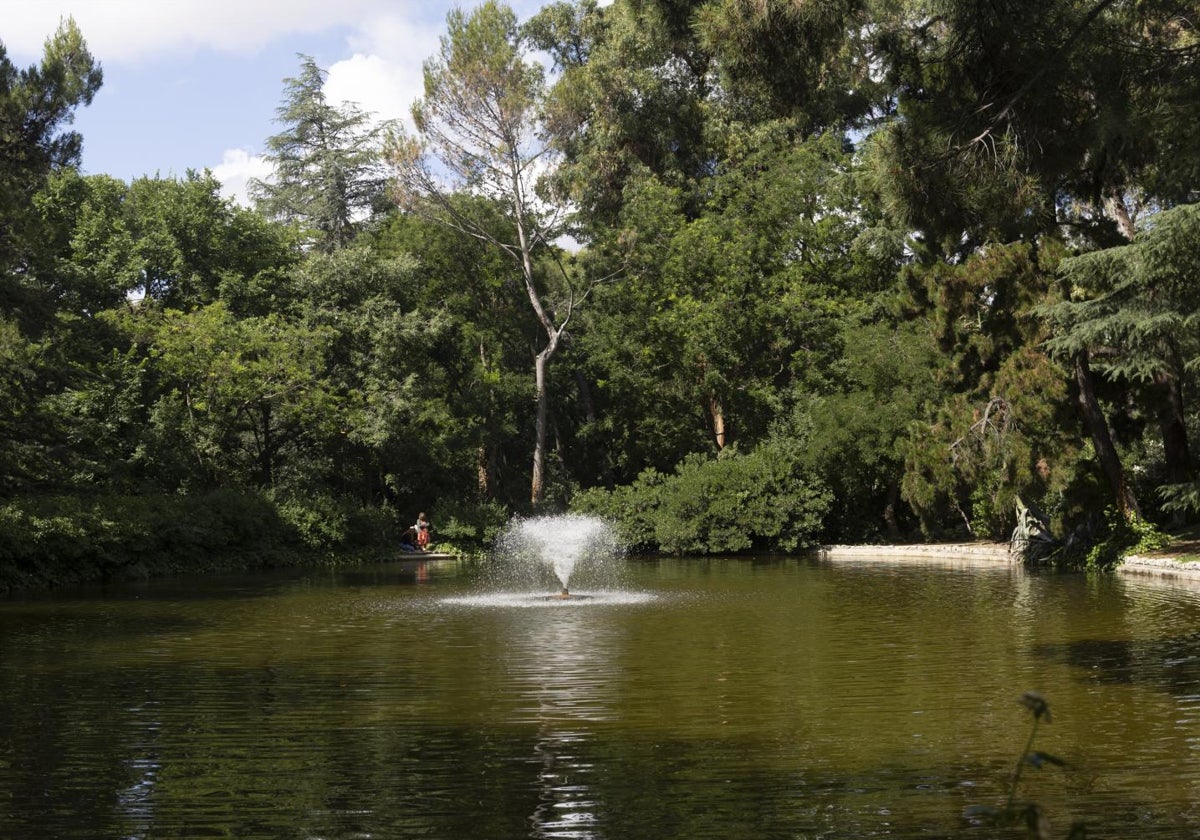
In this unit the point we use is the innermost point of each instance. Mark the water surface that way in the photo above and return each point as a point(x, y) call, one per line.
point(704, 699)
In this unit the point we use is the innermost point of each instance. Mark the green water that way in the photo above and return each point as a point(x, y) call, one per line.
point(712, 699)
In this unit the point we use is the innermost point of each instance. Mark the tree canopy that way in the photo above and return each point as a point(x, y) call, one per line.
point(833, 272)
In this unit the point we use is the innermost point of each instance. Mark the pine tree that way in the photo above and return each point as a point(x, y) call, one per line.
point(330, 176)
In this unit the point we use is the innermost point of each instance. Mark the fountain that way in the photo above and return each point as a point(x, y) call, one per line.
point(545, 558)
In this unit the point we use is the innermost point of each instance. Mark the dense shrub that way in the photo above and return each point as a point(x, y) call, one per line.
point(54, 540)
point(761, 501)
point(1120, 538)
point(468, 527)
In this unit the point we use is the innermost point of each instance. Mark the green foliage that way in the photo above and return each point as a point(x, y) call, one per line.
point(54, 540)
point(735, 503)
point(329, 173)
point(321, 521)
point(1028, 814)
point(1007, 110)
point(1137, 302)
point(35, 105)
point(246, 392)
point(466, 527)
point(777, 316)
point(1001, 424)
point(800, 59)
point(1121, 537)
point(853, 436)
point(1183, 498)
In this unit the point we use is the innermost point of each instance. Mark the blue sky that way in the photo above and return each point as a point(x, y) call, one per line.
point(194, 84)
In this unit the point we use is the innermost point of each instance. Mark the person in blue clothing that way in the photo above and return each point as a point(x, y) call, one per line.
point(408, 540)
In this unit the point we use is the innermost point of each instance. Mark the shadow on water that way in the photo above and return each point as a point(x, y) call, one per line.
point(261, 584)
point(1171, 664)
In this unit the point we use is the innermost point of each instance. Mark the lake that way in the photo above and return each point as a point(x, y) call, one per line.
point(693, 698)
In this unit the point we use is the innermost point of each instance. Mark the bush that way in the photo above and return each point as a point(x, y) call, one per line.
point(468, 527)
point(1122, 538)
point(55, 540)
point(734, 503)
point(632, 509)
point(320, 520)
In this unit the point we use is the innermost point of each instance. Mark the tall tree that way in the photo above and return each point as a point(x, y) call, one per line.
point(471, 289)
point(1019, 119)
point(241, 399)
point(633, 99)
point(1132, 310)
point(175, 241)
point(330, 176)
point(35, 106)
point(480, 132)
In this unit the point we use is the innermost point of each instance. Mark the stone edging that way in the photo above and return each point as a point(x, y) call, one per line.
point(1162, 566)
point(949, 551)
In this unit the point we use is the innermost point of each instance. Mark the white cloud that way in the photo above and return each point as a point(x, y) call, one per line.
point(130, 30)
point(375, 57)
point(236, 169)
point(375, 84)
point(385, 74)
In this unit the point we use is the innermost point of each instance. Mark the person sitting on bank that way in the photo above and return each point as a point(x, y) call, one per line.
point(408, 540)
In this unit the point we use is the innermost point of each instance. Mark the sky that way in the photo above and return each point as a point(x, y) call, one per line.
point(195, 84)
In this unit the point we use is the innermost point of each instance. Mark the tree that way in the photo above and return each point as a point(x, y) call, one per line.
point(175, 241)
point(246, 396)
point(329, 176)
point(482, 353)
point(479, 127)
point(1131, 309)
point(1025, 120)
point(807, 62)
point(1015, 118)
point(634, 99)
point(726, 314)
point(35, 106)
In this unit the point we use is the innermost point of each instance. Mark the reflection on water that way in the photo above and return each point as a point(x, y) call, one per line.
point(708, 699)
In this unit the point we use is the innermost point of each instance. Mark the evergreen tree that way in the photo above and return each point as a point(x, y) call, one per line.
point(1131, 309)
point(330, 176)
point(35, 106)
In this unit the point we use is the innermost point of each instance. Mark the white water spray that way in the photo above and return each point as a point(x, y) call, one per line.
point(563, 542)
point(552, 555)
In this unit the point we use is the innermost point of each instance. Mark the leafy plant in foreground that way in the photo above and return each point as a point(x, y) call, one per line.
point(1031, 814)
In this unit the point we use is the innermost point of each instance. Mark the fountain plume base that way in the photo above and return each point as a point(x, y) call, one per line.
point(566, 596)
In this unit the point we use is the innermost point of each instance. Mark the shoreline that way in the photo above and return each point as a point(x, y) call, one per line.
point(1163, 566)
point(997, 552)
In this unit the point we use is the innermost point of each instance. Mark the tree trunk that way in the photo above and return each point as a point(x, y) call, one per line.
point(1172, 420)
point(1174, 433)
point(718, 421)
point(585, 396)
point(483, 475)
point(1114, 205)
point(1173, 425)
point(266, 456)
point(537, 490)
point(889, 511)
point(1110, 462)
